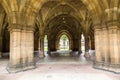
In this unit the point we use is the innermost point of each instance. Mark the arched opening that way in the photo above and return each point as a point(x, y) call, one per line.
point(4, 34)
point(82, 44)
point(64, 42)
point(45, 44)
point(5, 43)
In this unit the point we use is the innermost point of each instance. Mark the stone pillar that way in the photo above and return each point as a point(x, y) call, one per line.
point(49, 51)
point(80, 51)
point(92, 44)
point(86, 46)
point(29, 48)
point(41, 47)
point(57, 44)
point(36, 43)
point(98, 48)
point(114, 37)
point(75, 45)
point(70, 44)
point(52, 45)
point(21, 49)
point(0, 47)
point(105, 47)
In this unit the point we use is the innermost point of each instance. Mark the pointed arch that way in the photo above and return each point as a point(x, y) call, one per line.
point(64, 32)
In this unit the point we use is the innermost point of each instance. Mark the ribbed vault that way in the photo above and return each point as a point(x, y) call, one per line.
point(68, 15)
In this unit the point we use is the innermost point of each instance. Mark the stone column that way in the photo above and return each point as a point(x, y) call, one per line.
point(114, 37)
point(15, 55)
point(39, 46)
point(0, 47)
point(86, 46)
point(79, 41)
point(98, 48)
point(30, 49)
point(75, 44)
point(48, 47)
point(92, 44)
point(21, 49)
point(42, 55)
point(86, 43)
point(36, 43)
point(70, 44)
point(52, 45)
point(105, 47)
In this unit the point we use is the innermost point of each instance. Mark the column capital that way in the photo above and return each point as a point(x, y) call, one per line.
point(104, 27)
point(100, 25)
point(113, 23)
point(97, 27)
point(115, 27)
point(20, 27)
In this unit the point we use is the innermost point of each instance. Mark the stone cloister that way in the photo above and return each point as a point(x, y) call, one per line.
point(24, 23)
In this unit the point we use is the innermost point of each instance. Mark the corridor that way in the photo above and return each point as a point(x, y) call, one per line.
point(61, 65)
point(65, 57)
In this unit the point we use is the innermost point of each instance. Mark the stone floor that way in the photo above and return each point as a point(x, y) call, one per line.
point(60, 66)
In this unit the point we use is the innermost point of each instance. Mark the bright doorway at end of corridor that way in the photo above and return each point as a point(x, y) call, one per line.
point(64, 42)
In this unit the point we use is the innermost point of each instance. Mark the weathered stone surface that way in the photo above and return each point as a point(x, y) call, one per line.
point(21, 50)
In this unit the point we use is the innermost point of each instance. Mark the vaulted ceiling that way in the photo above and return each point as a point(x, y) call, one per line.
point(77, 15)
point(57, 15)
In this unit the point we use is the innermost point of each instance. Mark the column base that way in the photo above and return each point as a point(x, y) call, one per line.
point(42, 55)
point(20, 67)
point(79, 52)
point(49, 53)
point(115, 68)
point(87, 54)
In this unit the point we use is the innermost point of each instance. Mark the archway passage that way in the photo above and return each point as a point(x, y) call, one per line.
point(62, 26)
point(82, 43)
point(4, 35)
point(64, 40)
point(64, 43)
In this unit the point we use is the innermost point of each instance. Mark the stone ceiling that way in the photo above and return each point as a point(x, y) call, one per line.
point(45, 14)
point(68, 13)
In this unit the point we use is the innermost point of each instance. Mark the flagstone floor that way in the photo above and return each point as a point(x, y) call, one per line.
point(60, 66)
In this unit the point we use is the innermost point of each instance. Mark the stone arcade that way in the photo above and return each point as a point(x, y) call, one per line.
point(24, 23)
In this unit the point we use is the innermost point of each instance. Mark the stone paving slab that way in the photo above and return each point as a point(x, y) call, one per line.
point(59, 68)
point(61, 72)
